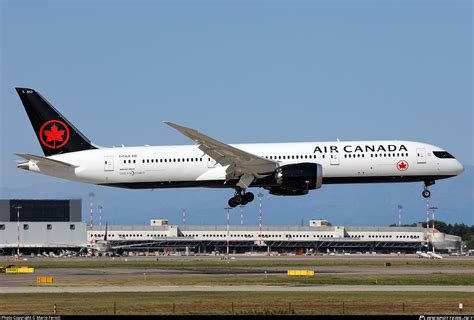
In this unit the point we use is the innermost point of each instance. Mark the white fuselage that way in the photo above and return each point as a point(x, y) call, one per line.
point(188, 166)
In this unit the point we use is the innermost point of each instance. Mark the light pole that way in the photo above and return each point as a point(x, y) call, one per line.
point(260, 196)
point(100, 215)
point(91, 203)
point(184, 217)
point(400, 215)
point(433, 227)
point(427, 222)
point(241, 215)
point(18, 230)
point(228, 221)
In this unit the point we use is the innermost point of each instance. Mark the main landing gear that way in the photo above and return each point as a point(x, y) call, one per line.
point(426, 193)
point(240, 198)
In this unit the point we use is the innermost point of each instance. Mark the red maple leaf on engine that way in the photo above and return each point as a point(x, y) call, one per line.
point(54, 134)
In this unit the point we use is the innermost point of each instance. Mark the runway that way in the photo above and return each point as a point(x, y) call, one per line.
point(243, 288)
point(111, 274)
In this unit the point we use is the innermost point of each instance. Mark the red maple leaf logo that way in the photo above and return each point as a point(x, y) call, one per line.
point(402, 165)
point(57, 135)
point(54, 134)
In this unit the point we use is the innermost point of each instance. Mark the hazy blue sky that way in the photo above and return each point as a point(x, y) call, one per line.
point(242, 71)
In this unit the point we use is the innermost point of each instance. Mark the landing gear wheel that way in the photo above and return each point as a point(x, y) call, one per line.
point(238, 199)
point(232, 203)
point(426, 193)
point(248, 197)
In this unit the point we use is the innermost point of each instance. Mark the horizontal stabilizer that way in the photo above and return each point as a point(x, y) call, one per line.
point(46, 161)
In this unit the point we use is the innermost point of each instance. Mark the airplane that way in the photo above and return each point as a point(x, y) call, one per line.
point(423, 255)
point(428, 255)
point(104, 247)
point(284, 169)
point(434, 255)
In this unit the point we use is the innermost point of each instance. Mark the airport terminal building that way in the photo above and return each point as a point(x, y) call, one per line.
point(317, 237)
point(50, 225)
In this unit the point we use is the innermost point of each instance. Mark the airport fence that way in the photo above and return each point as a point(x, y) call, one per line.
point(301, 307)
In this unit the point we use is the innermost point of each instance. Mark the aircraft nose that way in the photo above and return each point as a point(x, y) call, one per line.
point(458, 168)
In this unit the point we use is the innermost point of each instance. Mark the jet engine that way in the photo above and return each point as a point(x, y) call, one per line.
point(297, 179)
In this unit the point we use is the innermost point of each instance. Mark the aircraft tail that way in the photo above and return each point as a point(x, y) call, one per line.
point(55, 133)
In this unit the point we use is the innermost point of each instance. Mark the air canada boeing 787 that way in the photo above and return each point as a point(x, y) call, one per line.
point(285, 169)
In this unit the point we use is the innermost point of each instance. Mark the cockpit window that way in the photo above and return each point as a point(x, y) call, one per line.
point(443, 155)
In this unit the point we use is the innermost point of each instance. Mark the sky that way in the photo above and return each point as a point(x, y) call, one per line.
point(243, 72)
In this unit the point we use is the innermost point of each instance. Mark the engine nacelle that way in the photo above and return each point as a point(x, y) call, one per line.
point(278, 191)
point(297, 179)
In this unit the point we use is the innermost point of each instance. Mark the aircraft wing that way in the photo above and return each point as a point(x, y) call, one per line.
point(239, 163)
point(46, 161)
point(136, 245)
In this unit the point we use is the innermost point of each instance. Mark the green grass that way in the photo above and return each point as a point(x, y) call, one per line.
point(436, 279)
point(335, 303)
point(209, 263)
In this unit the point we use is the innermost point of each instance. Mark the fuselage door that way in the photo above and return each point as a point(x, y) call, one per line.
point(108, 163)
point(421, 155)
point(334, 158)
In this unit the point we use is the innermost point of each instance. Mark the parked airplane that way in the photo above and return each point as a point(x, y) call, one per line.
point(423, 255)
point(286, 169)
point(428, 255)
point(104, 247)
point(434, 255)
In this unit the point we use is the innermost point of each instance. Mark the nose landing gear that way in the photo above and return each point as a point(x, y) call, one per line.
point(426, 193)
point(240, 198)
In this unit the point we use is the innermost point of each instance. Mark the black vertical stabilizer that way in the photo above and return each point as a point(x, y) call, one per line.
point(55, 133)
point(105, 235)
